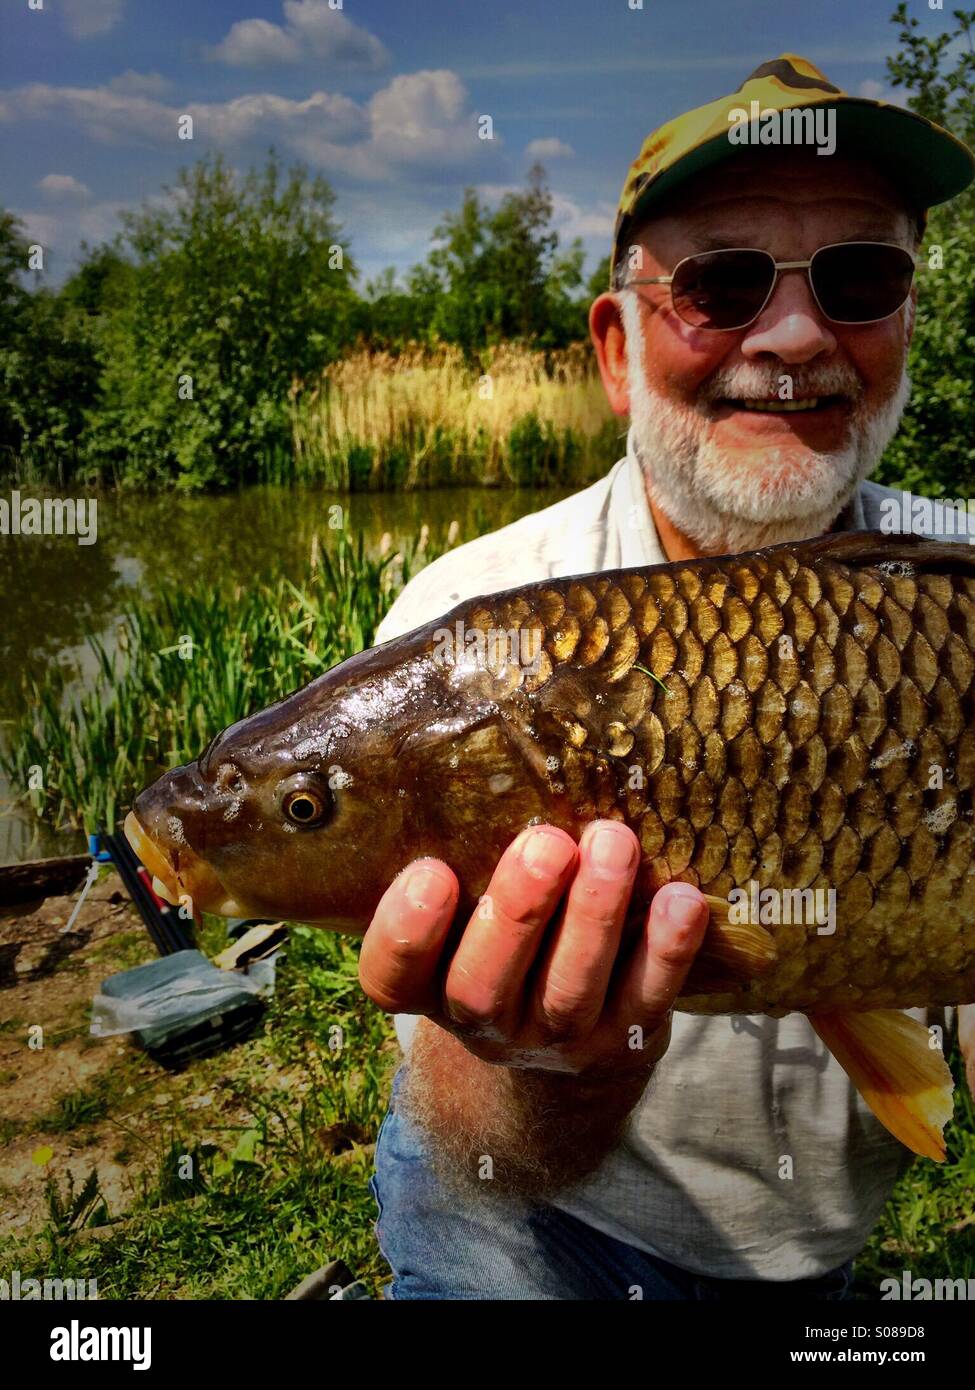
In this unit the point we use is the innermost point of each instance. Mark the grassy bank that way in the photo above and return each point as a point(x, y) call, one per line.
point(429, 419)
point(231, 1179)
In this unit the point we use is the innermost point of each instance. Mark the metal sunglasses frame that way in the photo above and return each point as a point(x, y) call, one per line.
point(777, 268)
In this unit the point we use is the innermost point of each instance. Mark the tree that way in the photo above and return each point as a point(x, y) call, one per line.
point(48, 371)
point(496, 275)
point(239, 286)
point(934, 451)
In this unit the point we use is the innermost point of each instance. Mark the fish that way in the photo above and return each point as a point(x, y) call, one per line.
point(785, 728)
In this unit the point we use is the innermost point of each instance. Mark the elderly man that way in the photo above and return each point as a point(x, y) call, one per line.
point(756, 335)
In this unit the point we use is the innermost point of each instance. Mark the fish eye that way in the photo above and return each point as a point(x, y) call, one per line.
point(303, 807)
point(303, 802)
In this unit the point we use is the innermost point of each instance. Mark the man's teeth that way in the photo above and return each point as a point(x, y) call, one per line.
point(781, 407)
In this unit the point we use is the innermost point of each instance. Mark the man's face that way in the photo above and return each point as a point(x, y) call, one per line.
point(725, 466)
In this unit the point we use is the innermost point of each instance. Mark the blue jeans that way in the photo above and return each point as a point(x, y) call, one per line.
point(441, 1246)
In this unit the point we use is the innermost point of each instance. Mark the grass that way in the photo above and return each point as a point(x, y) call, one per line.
point(183, 668)
point(928, 1226)
point(428, 418)
point(245, 1196)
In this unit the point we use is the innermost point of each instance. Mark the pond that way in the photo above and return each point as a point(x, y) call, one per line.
point(55, 591)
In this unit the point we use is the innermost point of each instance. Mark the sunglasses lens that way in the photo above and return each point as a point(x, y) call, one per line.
point(722, 289)
point(861, 282)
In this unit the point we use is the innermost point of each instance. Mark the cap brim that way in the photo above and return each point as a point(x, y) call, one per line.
point(926, 162)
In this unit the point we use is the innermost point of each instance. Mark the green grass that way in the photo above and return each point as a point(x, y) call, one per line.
point(265, 1200)
point(182, 669)
point(928, 1226)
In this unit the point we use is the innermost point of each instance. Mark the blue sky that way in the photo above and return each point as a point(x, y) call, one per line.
point(383, 97)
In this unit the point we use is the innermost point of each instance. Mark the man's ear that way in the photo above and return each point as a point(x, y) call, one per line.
point(609, 340)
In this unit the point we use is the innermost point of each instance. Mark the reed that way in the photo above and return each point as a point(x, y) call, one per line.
point(428, 418)
point(182, 667)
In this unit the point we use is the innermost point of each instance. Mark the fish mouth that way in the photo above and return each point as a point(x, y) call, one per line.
point(182, 876)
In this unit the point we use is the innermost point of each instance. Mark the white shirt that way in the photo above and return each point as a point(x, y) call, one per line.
point(750, 1155)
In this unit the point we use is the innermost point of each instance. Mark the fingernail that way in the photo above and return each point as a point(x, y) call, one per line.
point(428, 888)
point(683, 905)
point(612, 851)
point(545, 855)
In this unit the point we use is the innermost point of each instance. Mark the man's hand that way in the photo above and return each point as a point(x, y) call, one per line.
point(531, 983)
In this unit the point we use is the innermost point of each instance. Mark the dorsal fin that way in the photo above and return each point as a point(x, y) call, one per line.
point(877, 548)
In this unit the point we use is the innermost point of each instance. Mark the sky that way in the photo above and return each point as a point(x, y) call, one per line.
point(384, 97)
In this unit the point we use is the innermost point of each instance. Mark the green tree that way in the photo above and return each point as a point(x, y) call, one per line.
point(13, 310)
point(48, 371)
point(239, 287)
point(934, 451)
point(496, 275)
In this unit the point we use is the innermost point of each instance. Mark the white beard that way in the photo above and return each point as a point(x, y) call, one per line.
point(777, 493)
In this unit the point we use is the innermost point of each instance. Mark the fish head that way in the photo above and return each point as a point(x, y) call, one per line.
point(294, 812)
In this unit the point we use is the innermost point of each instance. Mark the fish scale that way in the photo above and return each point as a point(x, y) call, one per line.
point(800, 764)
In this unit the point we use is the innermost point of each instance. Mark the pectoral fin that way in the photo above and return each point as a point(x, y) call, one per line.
point(743, 949)
point(905, 1081)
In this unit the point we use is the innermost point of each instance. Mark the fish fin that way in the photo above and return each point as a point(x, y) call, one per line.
point(743, 948)
point(905, 1081)
point(921, 553)
point(730, 954)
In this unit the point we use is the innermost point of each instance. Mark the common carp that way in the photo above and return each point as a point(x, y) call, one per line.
point(786, 728)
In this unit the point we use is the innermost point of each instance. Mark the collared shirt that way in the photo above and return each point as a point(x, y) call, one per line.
point(750, 1155)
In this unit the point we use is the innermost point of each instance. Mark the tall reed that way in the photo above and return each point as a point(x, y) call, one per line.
point(428, 418)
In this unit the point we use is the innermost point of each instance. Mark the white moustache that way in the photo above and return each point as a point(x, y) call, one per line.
point(749, 381)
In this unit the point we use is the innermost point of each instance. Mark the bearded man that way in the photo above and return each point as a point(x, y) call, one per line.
point(756, 334)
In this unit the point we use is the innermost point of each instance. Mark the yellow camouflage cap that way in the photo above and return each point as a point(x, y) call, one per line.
point(928, 163)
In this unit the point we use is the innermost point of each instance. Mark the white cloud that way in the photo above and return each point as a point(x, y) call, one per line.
point(143, 84)
point(875, 91)
point(60, 233)
point(423, 118)
point(311, 31)
point(420, 125)
point(549, 148)
point(570, 220)
point(63, 188)
point(117, 118)
point(85, 18)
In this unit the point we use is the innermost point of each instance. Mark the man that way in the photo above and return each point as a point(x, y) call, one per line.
point(529, 1153)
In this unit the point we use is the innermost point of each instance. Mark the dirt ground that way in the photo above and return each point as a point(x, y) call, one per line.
point(70, 1102)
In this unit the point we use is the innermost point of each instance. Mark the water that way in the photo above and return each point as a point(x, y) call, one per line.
point(56, 591)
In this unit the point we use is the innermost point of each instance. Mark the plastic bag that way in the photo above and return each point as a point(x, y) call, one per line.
point(175, 989)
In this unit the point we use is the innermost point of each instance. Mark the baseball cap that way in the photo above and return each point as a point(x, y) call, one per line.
point(928, 163)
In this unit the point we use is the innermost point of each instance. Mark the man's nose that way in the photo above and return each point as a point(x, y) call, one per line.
point(791, 326)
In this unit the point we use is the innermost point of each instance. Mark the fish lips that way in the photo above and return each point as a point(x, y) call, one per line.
point(154, 829)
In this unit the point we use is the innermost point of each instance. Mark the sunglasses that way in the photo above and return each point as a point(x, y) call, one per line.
point(851, 281)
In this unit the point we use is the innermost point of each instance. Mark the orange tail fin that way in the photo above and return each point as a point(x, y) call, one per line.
point(890, 1059)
